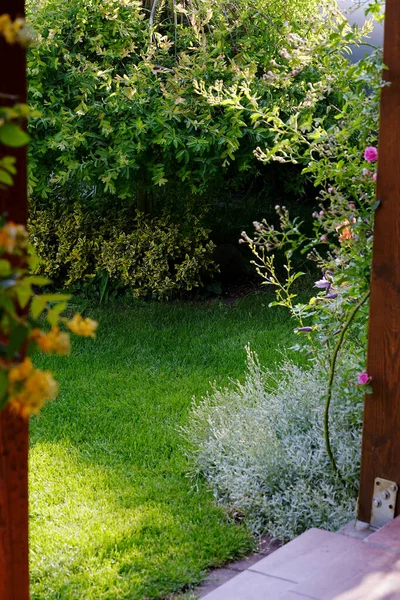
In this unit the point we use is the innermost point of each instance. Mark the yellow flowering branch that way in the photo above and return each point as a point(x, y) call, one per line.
point(15, 32)
point(23, 312)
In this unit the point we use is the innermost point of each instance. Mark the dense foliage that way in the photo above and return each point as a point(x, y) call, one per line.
point(101, 251)
point(115, 86)
point(120, 115)
point(117, 82)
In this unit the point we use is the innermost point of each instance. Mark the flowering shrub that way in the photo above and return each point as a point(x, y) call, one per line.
point(260, 446)
point(24, 312)
point(341, 244)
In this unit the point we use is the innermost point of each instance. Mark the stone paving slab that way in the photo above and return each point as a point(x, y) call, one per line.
point(352, 571)
point(373, 587)
point(357, 529)
point(319, 565)
point(309, 554)
point(387, 537)
point(250, 585)
point(218, 577)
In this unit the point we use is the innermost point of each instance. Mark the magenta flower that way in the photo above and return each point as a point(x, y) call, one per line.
point(363, 378)
point(371, 154)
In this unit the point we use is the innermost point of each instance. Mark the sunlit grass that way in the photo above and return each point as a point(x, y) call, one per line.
point(113, 514)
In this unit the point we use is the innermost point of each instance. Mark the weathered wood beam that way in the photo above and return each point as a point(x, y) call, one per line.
point(14, 569)
point(381, 431)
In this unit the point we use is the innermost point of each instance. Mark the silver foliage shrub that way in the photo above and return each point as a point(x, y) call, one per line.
point(260, 445)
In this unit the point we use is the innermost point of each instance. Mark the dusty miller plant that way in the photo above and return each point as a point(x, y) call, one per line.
point(260, 446)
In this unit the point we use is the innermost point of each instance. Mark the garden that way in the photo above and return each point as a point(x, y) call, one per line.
point(201, 201)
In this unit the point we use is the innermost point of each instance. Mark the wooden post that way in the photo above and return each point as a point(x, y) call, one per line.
point(14, 569)
point(381, 432)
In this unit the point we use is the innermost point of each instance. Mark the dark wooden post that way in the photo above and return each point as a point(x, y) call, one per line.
point(14, 569)
point(381, 433)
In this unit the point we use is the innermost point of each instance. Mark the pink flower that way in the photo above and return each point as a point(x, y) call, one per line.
point(324, 238)
point(371, 154)
point(352, 206)
point(330, 190)
point(375, 176)
point(363, 378)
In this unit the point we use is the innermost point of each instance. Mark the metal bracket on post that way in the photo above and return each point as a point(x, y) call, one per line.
point(383, 502)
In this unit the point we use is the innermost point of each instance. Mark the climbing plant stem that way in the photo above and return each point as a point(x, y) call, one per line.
point(332, 369)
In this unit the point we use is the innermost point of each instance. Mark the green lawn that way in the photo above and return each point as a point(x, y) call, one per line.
point(113, 514)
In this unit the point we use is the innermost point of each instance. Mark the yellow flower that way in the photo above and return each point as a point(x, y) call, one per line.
point(14, 31)
point(53, 342)
point(84, 327)
point(13, 236)
point(20, 372)
point(27, 396)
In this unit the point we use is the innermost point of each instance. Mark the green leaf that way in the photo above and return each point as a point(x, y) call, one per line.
point(5, 178)
point(12, 135)
point(375, 205)
point(38, 305)
point(7, 304)
point(3, 388)
point(297, 275)
point(8, 164)
point(5, 268)
point(54, 314)
point(18, 335)
point(57, 297)
point(40, 302)
point(103, 285)
point(37, 280)
point(24, 294)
